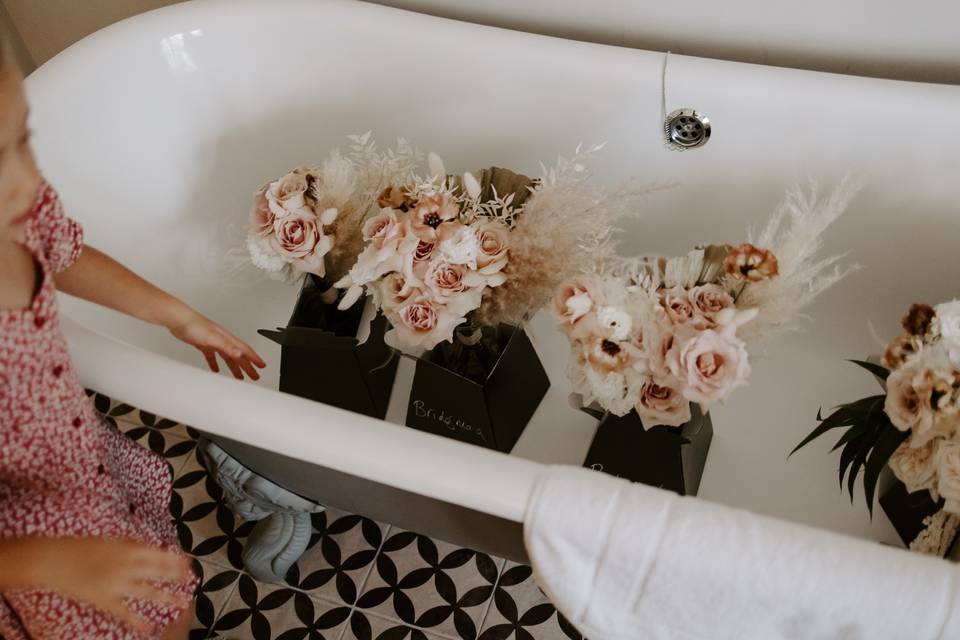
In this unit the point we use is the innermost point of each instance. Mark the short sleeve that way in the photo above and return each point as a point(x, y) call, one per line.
point(59, 238)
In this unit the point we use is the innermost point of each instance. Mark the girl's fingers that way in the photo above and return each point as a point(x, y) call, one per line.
point(234, 369)
point(211, 359)
point(250, 370)
point(155, 564)
point(243, 350)
point(150, 593)
point(253, 356)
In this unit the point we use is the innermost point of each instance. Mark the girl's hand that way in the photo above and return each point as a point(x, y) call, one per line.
point(212, 340)
point(104, 574)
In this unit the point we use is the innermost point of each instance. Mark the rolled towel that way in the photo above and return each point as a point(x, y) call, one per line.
point(624, 560)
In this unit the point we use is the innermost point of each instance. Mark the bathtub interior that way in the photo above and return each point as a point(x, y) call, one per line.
point(158, 130)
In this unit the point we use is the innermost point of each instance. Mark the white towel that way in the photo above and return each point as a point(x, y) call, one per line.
point(624, 560)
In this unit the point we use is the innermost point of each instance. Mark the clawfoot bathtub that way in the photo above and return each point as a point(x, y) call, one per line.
point(157, 131)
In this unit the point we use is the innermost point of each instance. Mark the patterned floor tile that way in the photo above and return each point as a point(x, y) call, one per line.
point(339, 558)
point(205, 524)
point(273, 612)
point(522, 611)
point(216, 586)
point(431, 585)
point(369, 626)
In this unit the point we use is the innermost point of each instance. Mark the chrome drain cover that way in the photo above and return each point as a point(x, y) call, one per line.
point(686, 129)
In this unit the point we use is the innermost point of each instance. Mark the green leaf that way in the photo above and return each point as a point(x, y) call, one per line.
point(877, 370)
point(855, 431)
point(850, 451)
point(889, 441)
point(846, 415)
point(858, 461)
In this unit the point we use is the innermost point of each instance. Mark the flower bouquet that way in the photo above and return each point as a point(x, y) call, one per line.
point(910, 429)
point(656, 342)
point(457, 264)
point(306, 226)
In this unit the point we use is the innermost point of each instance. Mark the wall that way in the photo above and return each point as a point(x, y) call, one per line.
point(883, 38)
point(49, 26)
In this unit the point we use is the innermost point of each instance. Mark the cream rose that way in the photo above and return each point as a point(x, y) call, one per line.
point(712, 365)
point(422, 324)
point(261, 217)
point(660, 403)
point(381, 228)
point(948, 473)
point(920, 398)
point(444, 279)
point(493, 240)
point(394, 291)
point(678, 306)
point(300, 241)
point(708, 300)
point(916, 467)
point(288, 194)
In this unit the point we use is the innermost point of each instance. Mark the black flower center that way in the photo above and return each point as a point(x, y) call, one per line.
point(610, 348)
point(432, 220)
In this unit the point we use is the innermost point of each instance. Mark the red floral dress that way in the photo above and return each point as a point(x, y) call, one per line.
point(64, 472)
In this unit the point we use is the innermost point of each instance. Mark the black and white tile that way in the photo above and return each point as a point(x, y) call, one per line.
point(522, 611)
point(358, 580)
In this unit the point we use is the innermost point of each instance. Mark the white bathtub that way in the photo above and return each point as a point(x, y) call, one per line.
point(157, 130)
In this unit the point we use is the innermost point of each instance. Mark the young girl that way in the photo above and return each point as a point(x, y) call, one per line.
point(87, 546)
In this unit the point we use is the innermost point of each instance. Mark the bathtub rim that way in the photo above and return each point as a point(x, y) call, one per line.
point(313, 432)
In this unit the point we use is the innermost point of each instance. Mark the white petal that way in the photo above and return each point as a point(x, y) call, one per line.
point(724, 316)
point(471, 185)
point(437, 170)
point(353, 294)
point(328, 216)
point(496, 280)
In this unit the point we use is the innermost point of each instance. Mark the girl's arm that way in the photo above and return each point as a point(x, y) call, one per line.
point(99, 278)
point(103, 573)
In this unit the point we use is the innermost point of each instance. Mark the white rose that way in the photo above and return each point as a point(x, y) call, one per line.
point(948, 471)
point(916, 467)
point(948, 323)
point(920, 397)
point(493, 240)
point(288, 194)
point(461, 247)
point(616, 321)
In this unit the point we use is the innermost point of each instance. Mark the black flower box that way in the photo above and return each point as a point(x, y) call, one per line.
point(907, 511)
point(483, 394)
point(322, 360)
point(666, 457)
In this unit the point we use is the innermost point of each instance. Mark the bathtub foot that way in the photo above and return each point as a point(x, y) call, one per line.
point(275, 544)
point(284, 528)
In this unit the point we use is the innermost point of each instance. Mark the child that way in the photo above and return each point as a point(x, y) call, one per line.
point(87, 547)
